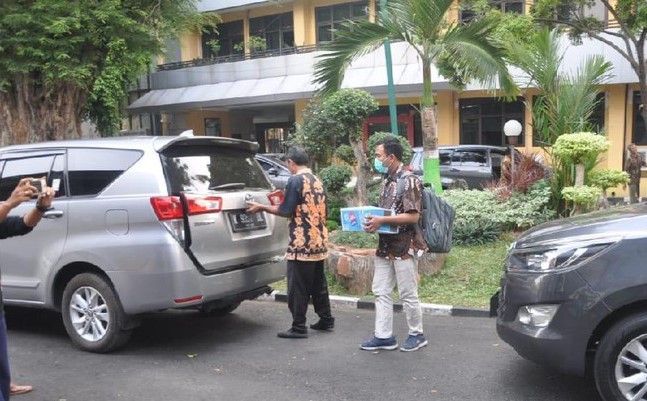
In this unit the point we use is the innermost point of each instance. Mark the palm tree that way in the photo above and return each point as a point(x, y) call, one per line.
point(423, 24)
point(564, 103)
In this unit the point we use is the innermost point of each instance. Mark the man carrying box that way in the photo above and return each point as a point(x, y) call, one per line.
point(396, 255)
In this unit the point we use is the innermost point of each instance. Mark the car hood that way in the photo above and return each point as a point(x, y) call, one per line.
point(624, 220)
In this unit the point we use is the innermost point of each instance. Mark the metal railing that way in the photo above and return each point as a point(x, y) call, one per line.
point(254, 54)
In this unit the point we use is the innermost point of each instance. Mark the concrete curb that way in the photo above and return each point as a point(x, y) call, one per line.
point(337, 301)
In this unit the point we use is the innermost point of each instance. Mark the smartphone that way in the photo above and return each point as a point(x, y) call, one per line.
point(39, 184)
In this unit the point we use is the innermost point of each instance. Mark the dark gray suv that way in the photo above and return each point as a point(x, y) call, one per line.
point(574, 297)
point(476, 164)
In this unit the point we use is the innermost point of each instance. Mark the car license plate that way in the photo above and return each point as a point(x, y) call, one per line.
point(242, 221)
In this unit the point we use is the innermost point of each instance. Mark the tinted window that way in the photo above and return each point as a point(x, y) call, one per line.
point(17, 169)
point(473, 158)
point(198, 168)
point(445, 158)
point(91, 170)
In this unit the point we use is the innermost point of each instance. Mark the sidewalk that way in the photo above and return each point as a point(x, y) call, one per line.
point(338, 301)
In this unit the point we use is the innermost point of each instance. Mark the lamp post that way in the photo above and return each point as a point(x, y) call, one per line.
point(512, 130)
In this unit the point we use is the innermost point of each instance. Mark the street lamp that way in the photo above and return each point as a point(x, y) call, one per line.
point(512, 130)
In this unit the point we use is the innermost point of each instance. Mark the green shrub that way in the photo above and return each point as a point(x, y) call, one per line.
point(379, 136)
point(522, 211)
point(606, 178)
point(374, 194)
point(345, 154)
point(475, 232)
point(355, 239)
point(519, 211)
point(334, 203)
point(335, 177)
point(332, 225)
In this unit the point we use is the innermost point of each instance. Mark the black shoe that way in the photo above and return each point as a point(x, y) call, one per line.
point(324, 324)
point(292, 334)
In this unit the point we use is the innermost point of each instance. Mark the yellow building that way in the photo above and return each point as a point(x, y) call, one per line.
point(253, 79)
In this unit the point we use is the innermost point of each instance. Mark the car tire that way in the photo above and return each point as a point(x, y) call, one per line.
point(612, 359)
point(219, 311)
point(92, 314)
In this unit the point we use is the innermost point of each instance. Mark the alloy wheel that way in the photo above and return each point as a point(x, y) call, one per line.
point(631, 369)
point(89, 314)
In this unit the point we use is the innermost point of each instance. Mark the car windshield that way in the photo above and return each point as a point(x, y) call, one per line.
point(199, 168)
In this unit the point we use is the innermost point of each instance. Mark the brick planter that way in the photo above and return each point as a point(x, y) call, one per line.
point(353, 268)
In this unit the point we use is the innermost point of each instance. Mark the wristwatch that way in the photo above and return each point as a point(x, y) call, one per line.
point(42, 209)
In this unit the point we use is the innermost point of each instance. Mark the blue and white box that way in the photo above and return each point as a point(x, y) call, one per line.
point(352, 218)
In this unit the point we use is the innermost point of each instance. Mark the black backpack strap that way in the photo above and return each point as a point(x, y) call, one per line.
point(400, 184)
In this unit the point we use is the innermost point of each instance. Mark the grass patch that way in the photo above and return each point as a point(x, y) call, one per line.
point(469, 278)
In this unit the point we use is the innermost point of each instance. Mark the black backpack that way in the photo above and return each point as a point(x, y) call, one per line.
point(436, 219)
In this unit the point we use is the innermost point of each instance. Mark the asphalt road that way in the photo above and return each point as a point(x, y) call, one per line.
point(183, 356)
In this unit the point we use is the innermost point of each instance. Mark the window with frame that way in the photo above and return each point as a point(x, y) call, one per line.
point(228, 35)
point(482, 120)
point(277, 30)
point(640, 127)
point(330, 18)
point(15, 169)
point(90, 171)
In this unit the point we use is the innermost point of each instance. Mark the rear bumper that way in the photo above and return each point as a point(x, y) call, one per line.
point(141, 292)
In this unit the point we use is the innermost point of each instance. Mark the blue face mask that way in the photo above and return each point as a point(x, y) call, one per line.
point(379, 167)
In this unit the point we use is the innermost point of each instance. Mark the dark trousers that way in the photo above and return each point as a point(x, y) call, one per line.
point(5, 375)
point(306, 279)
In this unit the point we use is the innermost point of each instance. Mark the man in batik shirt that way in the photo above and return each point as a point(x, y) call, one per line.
point(396, 256)
point(305, 207)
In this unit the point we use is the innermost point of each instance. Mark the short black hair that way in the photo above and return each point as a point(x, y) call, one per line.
point(392, 146)
point(298, 156)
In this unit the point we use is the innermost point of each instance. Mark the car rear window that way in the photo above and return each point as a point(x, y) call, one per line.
point(198, 168)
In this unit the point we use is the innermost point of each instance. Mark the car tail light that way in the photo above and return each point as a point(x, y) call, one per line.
point(170, 207)
point(169, 210)
point(276, 197)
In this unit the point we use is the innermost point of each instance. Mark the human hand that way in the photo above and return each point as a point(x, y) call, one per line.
point(22, 193)
point(46, 197)
point(372, 223)
point(254, 207)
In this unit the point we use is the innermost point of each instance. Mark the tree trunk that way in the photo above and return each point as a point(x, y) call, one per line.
point(431, 161)
point(579, 175)
point(31, 112)
point(363, 173)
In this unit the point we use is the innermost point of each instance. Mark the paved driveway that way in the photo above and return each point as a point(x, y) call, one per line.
point(183, 356)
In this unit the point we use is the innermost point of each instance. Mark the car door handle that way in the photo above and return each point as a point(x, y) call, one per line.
point(454, 170)
point(53, 214)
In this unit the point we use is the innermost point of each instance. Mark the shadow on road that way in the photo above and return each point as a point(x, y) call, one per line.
point(524, 377)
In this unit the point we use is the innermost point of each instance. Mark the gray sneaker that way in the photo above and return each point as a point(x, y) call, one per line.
point(414, 343)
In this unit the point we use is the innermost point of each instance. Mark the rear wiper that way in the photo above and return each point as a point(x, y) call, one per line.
point(231, 185)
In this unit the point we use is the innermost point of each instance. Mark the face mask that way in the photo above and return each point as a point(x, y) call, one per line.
point(379, 167)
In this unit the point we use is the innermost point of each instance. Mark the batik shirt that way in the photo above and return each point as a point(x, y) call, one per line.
point(397, 246)
point(632, 167)
point(305, 206)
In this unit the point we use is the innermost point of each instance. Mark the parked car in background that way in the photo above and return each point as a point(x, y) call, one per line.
point(275, 168)
point(574, 297)
point(476, 164)
point(140, 224)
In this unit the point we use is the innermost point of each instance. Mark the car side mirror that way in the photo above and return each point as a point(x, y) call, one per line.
point(273, 171)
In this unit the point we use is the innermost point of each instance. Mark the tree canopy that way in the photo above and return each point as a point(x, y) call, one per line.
point(64, 61)
point(625, 31)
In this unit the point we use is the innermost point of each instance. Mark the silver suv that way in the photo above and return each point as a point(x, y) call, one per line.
point(138, 225)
